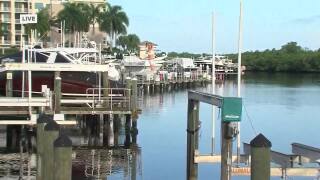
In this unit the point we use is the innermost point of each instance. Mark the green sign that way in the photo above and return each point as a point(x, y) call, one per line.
point(231, 109)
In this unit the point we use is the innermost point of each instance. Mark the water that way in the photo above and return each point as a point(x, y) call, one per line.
point(284, 107)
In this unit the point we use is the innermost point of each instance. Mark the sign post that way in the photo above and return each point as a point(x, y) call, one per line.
point(27, 19)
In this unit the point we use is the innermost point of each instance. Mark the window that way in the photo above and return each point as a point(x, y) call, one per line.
point(39, 6)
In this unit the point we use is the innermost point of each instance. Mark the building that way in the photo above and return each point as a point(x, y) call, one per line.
point(12, 30)
point(10, 11)
point(147, 50)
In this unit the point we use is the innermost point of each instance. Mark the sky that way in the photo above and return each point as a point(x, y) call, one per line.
point(186, 25)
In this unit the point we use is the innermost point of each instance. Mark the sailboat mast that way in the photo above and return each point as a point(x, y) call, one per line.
point(213, 78)
point(239, 75)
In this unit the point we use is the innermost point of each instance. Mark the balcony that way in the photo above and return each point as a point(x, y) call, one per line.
point(6, 20)
point(5, 42)
point(21, 10)
point(18, 32)
point(5, 9)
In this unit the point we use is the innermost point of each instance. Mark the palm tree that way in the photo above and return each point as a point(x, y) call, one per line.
point(122, 41)
point(93, 12)
point(43, 24)
point(74, 17)
point(113, 21)
point(133, 42)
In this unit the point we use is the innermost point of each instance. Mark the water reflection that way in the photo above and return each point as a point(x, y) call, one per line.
point(102, 146)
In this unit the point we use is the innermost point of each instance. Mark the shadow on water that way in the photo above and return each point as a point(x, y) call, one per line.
point(98, 152)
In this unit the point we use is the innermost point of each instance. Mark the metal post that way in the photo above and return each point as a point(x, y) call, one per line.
point(57, 92)
point(213, 78)
point(192, 139)
point(239, 77)
point(41, 122)
point(62, 158)
point(30, 92)
point(9, 84)
point(260, 158)
point(22, 72)
point(51, 132)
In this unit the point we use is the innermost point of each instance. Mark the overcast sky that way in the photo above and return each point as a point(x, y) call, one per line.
point(185, 25)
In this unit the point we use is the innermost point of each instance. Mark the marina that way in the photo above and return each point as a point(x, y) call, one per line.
point(83, 97)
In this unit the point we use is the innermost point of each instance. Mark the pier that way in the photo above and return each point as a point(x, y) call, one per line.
point(257, 161)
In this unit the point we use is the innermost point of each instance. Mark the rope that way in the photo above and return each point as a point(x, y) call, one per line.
point(250, 120)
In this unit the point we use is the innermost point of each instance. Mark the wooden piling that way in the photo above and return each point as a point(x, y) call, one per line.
point(9, 90)
point(51, 132)
point(192, 139)
point(110, 131)
point(127, 141)
point(105, 84)
point(116, 125)
point(134, 130)
point(62, 158)
point(226, 152)
point(41, 122)
point(260, 158)
point(57, 92)
point(134, 95)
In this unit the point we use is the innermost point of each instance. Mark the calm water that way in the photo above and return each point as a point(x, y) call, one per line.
point(284, 107)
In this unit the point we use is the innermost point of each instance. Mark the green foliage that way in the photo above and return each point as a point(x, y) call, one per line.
point(76, 17)
point(113, 21)
point(9, 51)
point(183, 55)
point(92, 13)
point(43, 24)
point(290, 58)
point(129, 43)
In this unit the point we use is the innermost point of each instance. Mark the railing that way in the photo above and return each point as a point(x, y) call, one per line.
point(18, 31)
point(6, 42)
point(6, 20)
point(6, 9)
point(117, 98)
point(21, 10)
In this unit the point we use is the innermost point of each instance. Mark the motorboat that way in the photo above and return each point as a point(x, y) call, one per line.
point(72, 82)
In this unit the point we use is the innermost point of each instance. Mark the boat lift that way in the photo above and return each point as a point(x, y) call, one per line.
point(86, 62)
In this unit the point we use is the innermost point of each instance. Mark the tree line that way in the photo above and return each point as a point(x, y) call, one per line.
point(289, 58)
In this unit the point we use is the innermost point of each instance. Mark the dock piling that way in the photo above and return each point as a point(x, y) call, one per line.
point(260, 158)
point(51, 132)
point(57, 92)
point(41, 122)
point(62, 158)
point(192, 139)
point(134, 95)
point(9, 89)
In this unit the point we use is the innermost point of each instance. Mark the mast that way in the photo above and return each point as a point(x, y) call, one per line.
point(213, 78)
point(239, 76)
